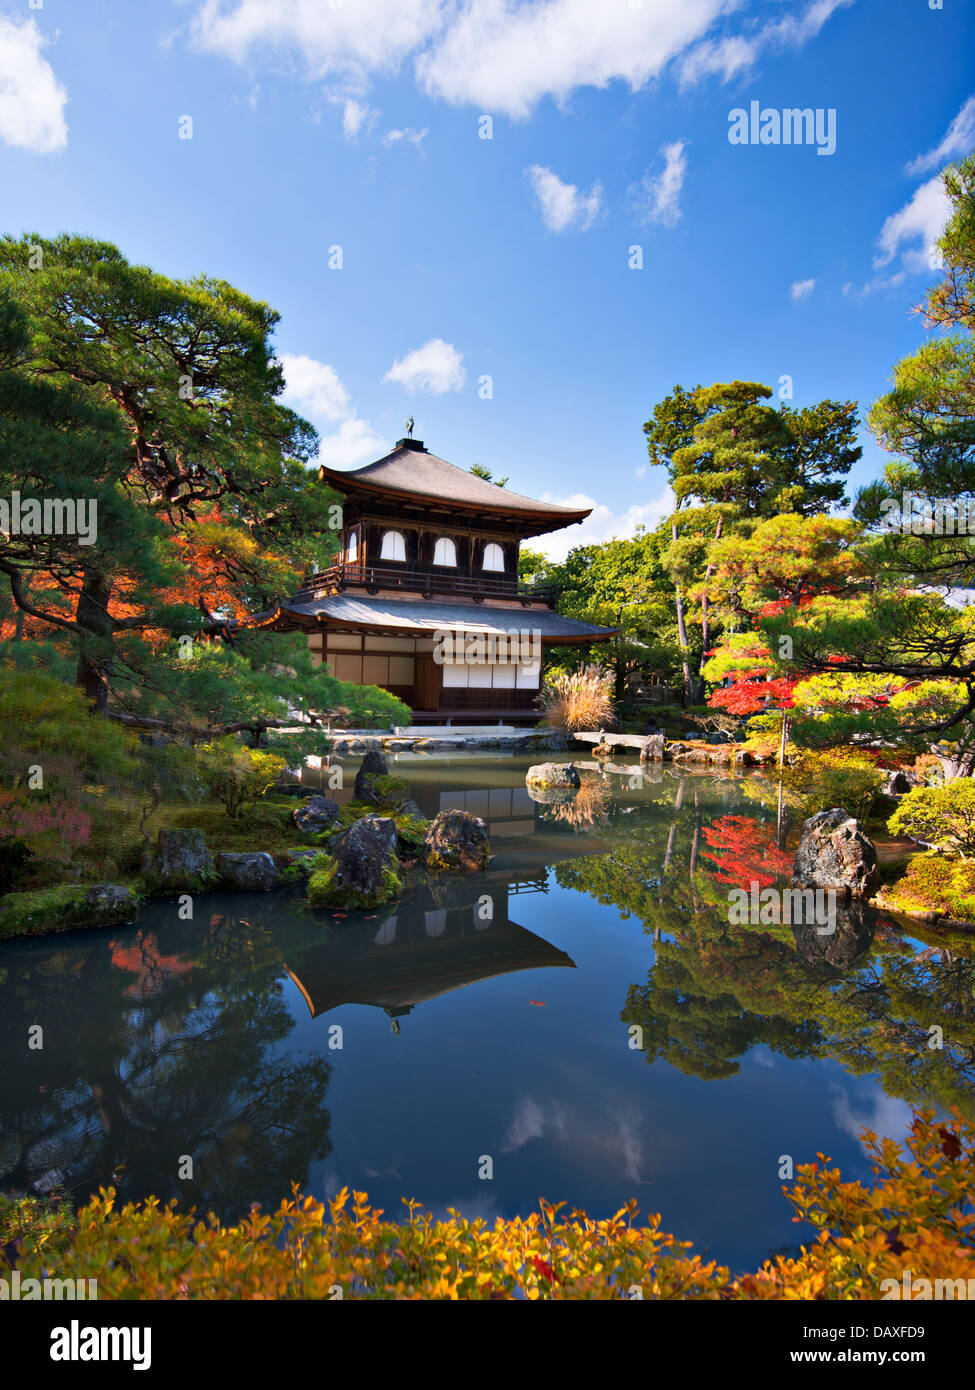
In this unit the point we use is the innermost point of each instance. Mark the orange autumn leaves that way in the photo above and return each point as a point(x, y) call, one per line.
point(215, 563)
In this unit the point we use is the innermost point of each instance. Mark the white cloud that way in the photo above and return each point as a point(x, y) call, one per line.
point(603, 524)
point(355, 114)
point(530, 1121)
point(658, 197)
point(921, 220)
point(797, 30)
point(885, 1115)
point(959, 139)
point(802, 289)
point(502, 56)
point(721, 57)
point(563, 206)
point(354, 442)
point(351, 40)
point(32, 100)
point(913, 231)
point(313, 388)
point(435, 367)
point(730, 56)
point(413, 137)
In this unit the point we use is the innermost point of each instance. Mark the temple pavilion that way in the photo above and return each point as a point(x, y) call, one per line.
point(424, 598)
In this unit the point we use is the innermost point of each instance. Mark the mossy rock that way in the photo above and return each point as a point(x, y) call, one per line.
point(364, 873)
point(411, 833)
point(66, 908)
point(326, 890)
point(456, 840)
point(181, 864)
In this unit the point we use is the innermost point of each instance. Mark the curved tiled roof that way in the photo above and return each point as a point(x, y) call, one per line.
point(427, 617)
point(411, 468)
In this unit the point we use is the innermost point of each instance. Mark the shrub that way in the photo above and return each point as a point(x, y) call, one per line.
point(942, 816)
point(933, 884)
point(837, 777)
point(58, 763)
point(237, 776)
point(917, 1216)
point(578, 700)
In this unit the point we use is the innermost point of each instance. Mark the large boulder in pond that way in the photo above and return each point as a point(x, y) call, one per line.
point(367, 788)
point(364, 872)
point(181, 863)
point(316, 815)
point(253, 872)
point(562, 775)
point(834, 853)
point(456, 840)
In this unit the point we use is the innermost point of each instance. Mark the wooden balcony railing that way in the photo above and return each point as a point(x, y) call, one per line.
point(430, 580)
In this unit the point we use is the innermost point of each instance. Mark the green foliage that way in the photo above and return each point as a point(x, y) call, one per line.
point(942, 816)
point(411, 832)
point(385, 791)
point(41, 910)
point(838, 777)
point(238, 777)
point(933, 883)
point(57, 766)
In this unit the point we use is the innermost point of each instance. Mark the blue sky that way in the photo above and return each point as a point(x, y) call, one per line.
point(357, 124)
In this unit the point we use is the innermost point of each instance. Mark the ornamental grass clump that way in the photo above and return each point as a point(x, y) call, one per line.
point(578, 701)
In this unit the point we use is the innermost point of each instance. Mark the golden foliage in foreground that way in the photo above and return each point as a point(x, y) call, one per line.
point(918, 1216)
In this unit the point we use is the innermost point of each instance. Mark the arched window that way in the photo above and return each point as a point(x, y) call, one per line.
point(394, 546)
point(445, 552)
point(353, 551)
point(493, 557)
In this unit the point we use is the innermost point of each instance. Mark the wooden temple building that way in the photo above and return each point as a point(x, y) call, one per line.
point(428, 549)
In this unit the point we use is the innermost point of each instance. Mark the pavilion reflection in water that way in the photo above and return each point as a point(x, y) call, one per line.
point(428, 946)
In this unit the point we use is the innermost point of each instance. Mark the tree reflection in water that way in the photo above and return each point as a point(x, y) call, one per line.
point(171, 1056)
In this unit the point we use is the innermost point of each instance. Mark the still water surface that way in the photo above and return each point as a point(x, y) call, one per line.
point(583, 1015)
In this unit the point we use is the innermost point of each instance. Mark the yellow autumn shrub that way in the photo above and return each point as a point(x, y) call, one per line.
point(918, 1217)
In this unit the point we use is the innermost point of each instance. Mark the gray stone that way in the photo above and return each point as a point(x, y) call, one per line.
point(653, 749)
point(318, 813)
point(110, 903)
point(555, 742)
point(366, 870)
point(553, 775)
point(457, 840)
point(410, 808)
point(253, 872)
point(181, 862)
point(834, 853)
point(552, 796)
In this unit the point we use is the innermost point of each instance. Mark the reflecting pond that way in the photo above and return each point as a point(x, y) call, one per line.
point(582, 1021)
